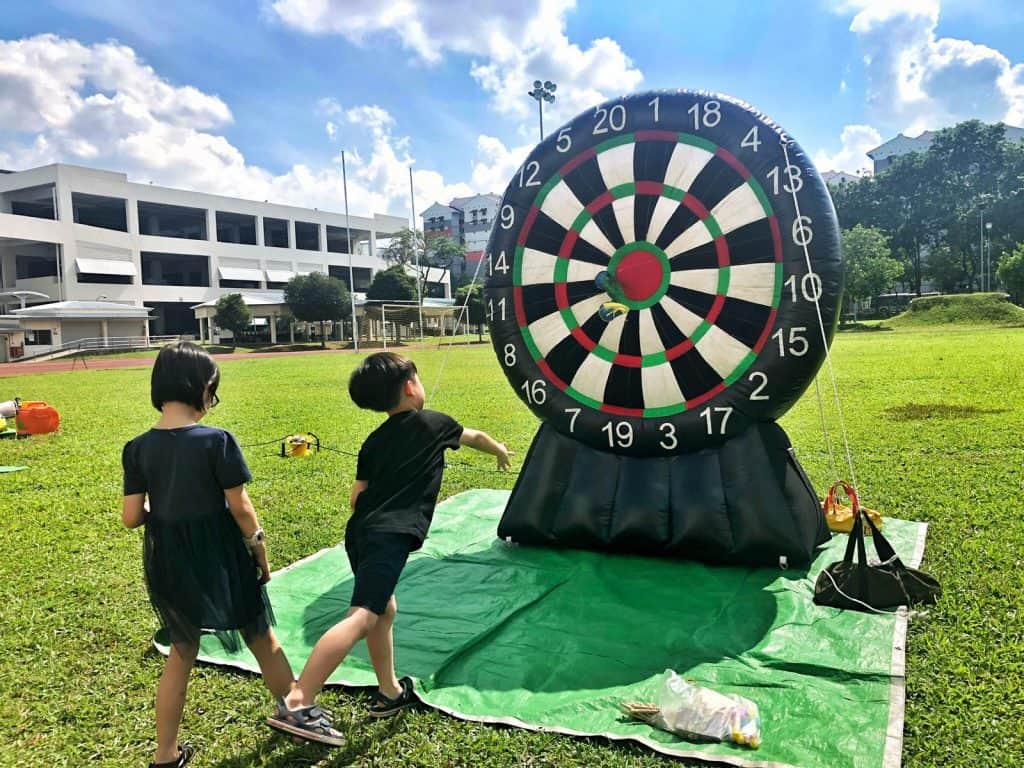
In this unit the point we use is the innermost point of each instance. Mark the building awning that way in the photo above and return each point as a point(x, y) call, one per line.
point(240, 273)
point(105, 267)
point(279, 275)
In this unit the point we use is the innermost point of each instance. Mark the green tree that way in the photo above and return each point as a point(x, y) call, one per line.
point(316, 298)
point(934, 198)
point(392, 284)
point(1011, 272)
point(475, 314)
point(233, 314)
point(444, 254)
point(945, 268)
point(868, 266)
point(404, 247)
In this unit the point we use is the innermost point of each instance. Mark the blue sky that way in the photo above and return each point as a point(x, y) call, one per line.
point(257, 99)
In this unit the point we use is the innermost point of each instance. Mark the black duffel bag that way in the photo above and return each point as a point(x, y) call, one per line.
point(859, 586)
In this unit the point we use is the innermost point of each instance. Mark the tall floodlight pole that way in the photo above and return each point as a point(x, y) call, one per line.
point(348, 237)
point(981, 243)
point(416, 252)
point(542, 92)
point(988, 256)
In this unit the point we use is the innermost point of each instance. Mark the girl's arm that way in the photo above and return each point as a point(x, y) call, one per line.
point(481, 441)
point(358, 487)
point(133, 510)
point(245, 517)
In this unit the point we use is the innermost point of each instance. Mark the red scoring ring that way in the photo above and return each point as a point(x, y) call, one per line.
point(569, 241)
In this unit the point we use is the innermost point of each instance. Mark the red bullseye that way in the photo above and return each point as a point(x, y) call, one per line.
point(639, 274)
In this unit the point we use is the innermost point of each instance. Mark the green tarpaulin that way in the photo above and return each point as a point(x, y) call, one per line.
point(556, 640)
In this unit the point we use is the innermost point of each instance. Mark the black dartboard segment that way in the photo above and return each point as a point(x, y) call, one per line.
point(656, 273)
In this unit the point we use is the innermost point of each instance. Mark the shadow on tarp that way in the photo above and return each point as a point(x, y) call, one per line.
point(496, 617)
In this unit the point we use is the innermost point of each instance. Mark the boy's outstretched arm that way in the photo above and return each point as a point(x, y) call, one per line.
point(481, 441)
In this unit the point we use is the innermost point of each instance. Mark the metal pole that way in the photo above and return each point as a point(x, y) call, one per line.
point(540, 112)
point(419, 280)
point(981, 244)
point(384, 322)
point(351, 277)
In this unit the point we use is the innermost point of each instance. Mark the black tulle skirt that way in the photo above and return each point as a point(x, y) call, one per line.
point(202, 579)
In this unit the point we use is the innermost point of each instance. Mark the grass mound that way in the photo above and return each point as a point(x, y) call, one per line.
point(960, 309)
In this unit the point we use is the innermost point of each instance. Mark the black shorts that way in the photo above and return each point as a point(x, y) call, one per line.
point(377, 560)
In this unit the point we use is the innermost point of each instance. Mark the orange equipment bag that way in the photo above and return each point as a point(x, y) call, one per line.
point(37, 418)
point(840, 517)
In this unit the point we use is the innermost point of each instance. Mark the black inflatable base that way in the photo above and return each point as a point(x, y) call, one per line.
point(746, 502)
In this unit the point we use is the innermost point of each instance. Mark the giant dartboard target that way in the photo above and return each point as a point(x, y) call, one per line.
point(656, 273)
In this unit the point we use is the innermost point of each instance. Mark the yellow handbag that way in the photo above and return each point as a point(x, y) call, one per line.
point(839, 516)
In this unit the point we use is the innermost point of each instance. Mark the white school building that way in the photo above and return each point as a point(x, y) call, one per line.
point(77, 234)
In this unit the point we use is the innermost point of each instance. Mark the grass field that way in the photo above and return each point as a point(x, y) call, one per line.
point(934, 418)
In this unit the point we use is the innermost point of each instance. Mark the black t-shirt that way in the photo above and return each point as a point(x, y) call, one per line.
point(184, 471)
point(402, 462)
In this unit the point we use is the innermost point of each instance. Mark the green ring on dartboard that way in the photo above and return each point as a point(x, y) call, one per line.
point(689, 234)
point(584, 220)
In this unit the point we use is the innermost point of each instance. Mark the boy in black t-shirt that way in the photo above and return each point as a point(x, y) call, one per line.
point(398, 478)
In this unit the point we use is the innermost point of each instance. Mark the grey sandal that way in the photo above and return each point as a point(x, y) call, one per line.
point(307, 723)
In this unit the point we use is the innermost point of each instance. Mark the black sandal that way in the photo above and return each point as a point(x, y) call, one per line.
point(384, 707)
point(185, 753)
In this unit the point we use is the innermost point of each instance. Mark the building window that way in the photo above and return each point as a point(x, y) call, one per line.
point(362, 276)
point(337, 240)
point(100, 211)
point(94, 277)
point(39, 337)
point(275, 233)
point(236, 228)
point(35, 265)
point(175, 269)
point(172, 221)
point(307, 236)
point(239, 283)
point(37, 202)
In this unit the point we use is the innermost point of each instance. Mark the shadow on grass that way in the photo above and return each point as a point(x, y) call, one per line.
point(924, 411)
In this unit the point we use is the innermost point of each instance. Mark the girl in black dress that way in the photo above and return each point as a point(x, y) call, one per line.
point(203, 554)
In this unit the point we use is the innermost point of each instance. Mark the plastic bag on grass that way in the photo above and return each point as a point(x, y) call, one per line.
point(700, 714)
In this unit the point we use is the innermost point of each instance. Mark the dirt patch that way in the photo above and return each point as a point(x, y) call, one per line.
point(922, 411)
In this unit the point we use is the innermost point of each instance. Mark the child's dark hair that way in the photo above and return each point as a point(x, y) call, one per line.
point(183, 373)
point(377, 382)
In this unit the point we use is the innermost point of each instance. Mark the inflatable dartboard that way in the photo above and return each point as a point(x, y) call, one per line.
point(660, 273)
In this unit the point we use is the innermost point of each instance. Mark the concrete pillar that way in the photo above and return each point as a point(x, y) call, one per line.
point(104, 331)
point(202, 330)
point(259, 231)
point(291, 332)
point(322, 237)
point(273, 328)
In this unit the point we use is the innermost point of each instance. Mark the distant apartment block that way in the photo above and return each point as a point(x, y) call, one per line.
point(81, 234)
point(885, 154)
point(466, 220)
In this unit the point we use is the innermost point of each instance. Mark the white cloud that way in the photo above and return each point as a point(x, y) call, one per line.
point(855, 141)
point(919, 80)
point(509, 42)
point(62, 101)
